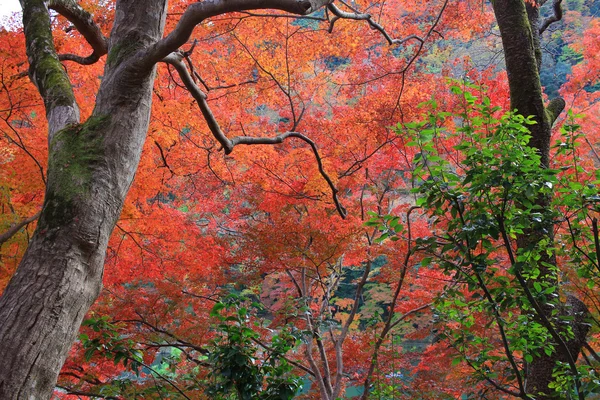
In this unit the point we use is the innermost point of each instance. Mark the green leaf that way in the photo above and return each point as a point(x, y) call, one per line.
point(216, 309)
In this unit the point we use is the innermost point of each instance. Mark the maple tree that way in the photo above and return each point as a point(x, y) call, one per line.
point(196, 223)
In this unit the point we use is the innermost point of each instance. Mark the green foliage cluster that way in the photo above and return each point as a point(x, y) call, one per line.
point(242, 367)
point(239, 372)
point(483, 198)
point(108, 342)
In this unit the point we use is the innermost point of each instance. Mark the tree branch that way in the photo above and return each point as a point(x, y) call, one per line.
point(76, 392)
point(84, 23)
point(279, 139)
point(592, 352)
point(89, 60)
point(251, 14)
point(294, 363)
point(200, 11)
point(45, 70)
point(554, 108)
point(339, 14)
point(555, 17)
point(16, 228)
point(176, 60)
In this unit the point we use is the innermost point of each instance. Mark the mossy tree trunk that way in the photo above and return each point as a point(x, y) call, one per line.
point(519, 27)
point(91, 167)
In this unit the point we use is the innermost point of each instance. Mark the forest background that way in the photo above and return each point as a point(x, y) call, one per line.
point(306, 267)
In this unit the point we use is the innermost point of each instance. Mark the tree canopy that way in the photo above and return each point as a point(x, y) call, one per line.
point(300, 199)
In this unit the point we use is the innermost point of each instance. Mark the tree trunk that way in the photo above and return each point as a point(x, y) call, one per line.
point(518, 22)
point(91, 167)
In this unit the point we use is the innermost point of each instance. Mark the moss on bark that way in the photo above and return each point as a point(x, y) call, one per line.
point(46, 71)
point(74, 151)
point(119, 51)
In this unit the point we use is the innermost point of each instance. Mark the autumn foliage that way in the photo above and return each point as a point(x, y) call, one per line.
point(261, 223)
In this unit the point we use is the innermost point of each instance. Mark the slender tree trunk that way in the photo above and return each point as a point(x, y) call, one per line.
point(518, 22)
point(91, 167)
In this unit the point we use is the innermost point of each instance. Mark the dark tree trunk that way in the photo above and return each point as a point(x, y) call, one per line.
point(518, 22)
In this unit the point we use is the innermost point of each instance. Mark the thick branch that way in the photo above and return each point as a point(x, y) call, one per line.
point(200, 11)
point(45, 70)
point(555, 107)
point(89, 60)
point(175, 59)
point(555, 17)
point(16, 228)
point(84, 23)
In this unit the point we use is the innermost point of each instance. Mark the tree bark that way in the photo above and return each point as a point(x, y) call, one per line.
point(519, 27)
point(92, 164)
point(91, 167)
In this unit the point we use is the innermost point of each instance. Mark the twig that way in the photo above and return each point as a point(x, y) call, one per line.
point(16, 228)
point(175, 59)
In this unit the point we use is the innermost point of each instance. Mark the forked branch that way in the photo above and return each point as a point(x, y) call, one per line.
point(176, 60)
point(84, 23)
point(339, 14)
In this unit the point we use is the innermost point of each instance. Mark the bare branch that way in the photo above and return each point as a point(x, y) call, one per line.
point(176, 60)
point(294, 363)
point(555, 17)
point(279, 139)
point(592, 352)
point(200, 11)
point(339, 14)
point(492, 382)
point(163, 157)
point(16, 228)
point(157, 329)
point(89, 60)
point(307, 17)
point(84, 23)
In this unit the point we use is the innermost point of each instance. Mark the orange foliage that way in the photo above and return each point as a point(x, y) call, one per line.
point(198, 223)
